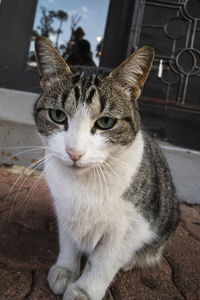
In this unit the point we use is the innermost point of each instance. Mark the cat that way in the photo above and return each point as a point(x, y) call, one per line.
point(111, 187)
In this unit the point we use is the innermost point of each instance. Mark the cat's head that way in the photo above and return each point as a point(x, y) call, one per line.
point(85, 118)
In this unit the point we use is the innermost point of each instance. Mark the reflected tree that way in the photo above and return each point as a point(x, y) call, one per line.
point(47, 23)
point(61, 16)
point(46, 28)
point(77, 50)
point(75, 19)
point(67, 49)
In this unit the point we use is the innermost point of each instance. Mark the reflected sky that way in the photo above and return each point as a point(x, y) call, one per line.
point(93, 15)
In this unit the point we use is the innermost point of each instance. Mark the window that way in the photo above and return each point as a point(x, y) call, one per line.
point(75, 28)
point(20, 19)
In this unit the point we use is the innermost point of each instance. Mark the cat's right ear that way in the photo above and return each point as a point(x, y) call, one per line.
point(50, 62)
point(133, 71)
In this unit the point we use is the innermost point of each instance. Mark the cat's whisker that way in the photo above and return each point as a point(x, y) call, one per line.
point(47, 158)
point(37, 164)
point(13, 205)
point(17, 180)
point(105, 181)
point(30, 193)
point(92, 176)
point(109, 172)
point(118, 161)
point(114, 168)
point(22, 152)
point(117, 165)
point(99, 177)
point(109, 165)
point(22, 147)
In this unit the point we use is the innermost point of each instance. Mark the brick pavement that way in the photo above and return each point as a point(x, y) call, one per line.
point(29, 246)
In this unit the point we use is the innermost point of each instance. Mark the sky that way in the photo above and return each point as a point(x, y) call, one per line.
point(93, 15)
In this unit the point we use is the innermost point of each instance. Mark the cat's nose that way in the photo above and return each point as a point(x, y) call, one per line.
point(75, 155)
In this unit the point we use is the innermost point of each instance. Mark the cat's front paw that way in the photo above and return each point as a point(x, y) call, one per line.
point(59, 278)
point(75, 293)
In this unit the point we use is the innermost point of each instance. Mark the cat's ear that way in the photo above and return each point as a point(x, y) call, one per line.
point(50, 62)
point(132, 73)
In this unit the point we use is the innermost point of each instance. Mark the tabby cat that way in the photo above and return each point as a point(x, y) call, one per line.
point(111, 186)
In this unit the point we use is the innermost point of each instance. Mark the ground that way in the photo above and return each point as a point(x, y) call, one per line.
point(29, 246)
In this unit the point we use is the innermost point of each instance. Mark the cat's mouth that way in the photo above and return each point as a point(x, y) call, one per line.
point(78, 166)
point(75, 166)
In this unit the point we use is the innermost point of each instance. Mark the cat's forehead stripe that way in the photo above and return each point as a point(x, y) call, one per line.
point(85, 87)
point(77, 94)
point(96, 80)
point(87, 80)
point(76, 78)
point(90, 96)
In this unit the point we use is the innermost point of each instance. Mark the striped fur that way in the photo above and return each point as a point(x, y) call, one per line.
point(101, 100)
point(112, 189)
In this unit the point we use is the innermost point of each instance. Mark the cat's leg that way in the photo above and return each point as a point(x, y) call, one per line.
point(66, 268)
point(145, 257)
point(103, 263)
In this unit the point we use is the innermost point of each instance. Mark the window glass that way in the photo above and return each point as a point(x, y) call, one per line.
point(75, 28)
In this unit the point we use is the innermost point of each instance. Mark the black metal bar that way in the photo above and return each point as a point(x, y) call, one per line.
point(117, 33)
point(164, 4)
point(136, 26)
point(158, 5)
point(16, 22)
point(152, 26)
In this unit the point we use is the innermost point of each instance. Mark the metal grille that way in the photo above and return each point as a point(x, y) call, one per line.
point(173, 29)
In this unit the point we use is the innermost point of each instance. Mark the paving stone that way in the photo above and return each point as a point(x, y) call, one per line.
point(190, 217)
point(29, 246)
point(33, 210)
point(14, 284)
point(146, 284)
point(183, 254)
point(7, 181)
point(29, 249)
point(40, 289)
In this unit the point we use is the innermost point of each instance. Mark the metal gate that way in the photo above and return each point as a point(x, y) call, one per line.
point(173, 29)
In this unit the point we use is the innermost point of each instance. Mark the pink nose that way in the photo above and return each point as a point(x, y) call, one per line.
point(75, 155)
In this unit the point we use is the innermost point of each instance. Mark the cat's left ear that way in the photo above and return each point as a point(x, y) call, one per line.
point(132, 73)
point(50, 62)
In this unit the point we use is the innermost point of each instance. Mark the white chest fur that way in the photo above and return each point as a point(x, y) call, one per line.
point(91, 204)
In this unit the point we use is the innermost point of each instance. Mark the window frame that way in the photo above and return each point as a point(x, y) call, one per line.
point(14, 72)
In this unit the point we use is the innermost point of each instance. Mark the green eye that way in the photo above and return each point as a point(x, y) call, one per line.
point(105, 123)
point(57, 116)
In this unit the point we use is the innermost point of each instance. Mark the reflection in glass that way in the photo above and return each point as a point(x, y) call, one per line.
point(75, 28)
